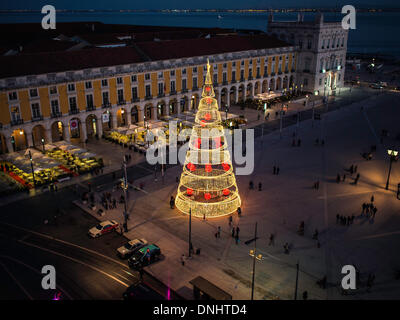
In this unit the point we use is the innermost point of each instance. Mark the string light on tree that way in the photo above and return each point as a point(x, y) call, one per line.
point(208, 189)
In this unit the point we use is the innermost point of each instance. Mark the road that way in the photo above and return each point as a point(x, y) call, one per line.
point(86, 268)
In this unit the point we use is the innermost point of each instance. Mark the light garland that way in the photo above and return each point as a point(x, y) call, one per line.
point(208, 186)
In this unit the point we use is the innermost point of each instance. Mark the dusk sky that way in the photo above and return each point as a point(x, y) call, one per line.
point(185, 4)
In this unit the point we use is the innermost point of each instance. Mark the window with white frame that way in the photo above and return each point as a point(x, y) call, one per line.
point(33, 93)
point(184, 71)
point(106, 99)
point(160, 88)
point(119, 80)
point(194, 69)
point(55, 109)
point(71, 87)
point(88, 84)
point(12, 96)
point(194, 82)
point(224, 77)
point(120, 95)
point(104, 83)
point(15, 113)
point(172, 73)
point(134, 78)
point(173, 86)
point(72, 103)
point(53, 90)
point(160, 75)
point(134, 93)
point(148, 90)
point(147, 76)
point(89, 100)
point(35, 110)
point(183, 84)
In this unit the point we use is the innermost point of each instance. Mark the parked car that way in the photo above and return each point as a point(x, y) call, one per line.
point(376, 85)
point(145, 256)
point(103, 228)
point(130, 247)
point(141, 292)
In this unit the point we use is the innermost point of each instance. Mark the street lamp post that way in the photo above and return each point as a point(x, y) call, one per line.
point(125, 187)
point(253, 253)
point(33, 171)
point(393, 157)
point(43, 144)
point(280, 122)
point(297, 280)
point(190, 232)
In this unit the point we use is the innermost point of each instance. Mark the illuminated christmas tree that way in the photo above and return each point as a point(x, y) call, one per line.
point(208, 186)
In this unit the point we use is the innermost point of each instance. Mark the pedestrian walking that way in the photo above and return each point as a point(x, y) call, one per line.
point(271, 240)
point(233, 232)
point(277, 170)
point(344, 177)
point(237, 239)
point(230, 220)
point(355, 169)
point(219, 232)
point(251, 185)
point(237, 231)
point(286, 248)
point(274, 169)
point(183, 259)
point(259, 186)
point(315, 236)
point(374, 210)
point(239, 211)
point(351, 169)
point(204, 217)
point(305, 295)
point(171, 202)
point(338, 178)
point(372, 199)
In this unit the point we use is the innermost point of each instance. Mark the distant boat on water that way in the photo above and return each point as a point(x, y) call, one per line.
point(219, 17)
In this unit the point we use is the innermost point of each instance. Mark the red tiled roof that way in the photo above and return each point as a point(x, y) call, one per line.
point(160, 50)
point(42, 63)
point(49, 62)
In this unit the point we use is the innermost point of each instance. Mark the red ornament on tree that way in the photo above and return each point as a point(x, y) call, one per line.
point(189, 191)
point(191, 166)
point(208, 168)
point(207, 196)
point(225, 166)
point(226, 192)
point(207, 116)
point(209, 100)
point(208, 89)
point(198, 143)
point(202, 123)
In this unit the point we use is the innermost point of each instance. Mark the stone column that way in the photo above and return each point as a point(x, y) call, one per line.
point(236, 94)
point(99, 126)
point(67, 135)
point(128, 118)
point(166, 108)
point(8, 143)
point(140, 113)
point(47, 136)
point(83, 131)
point(29, 139)
point(154, 112)
point(114, 119)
